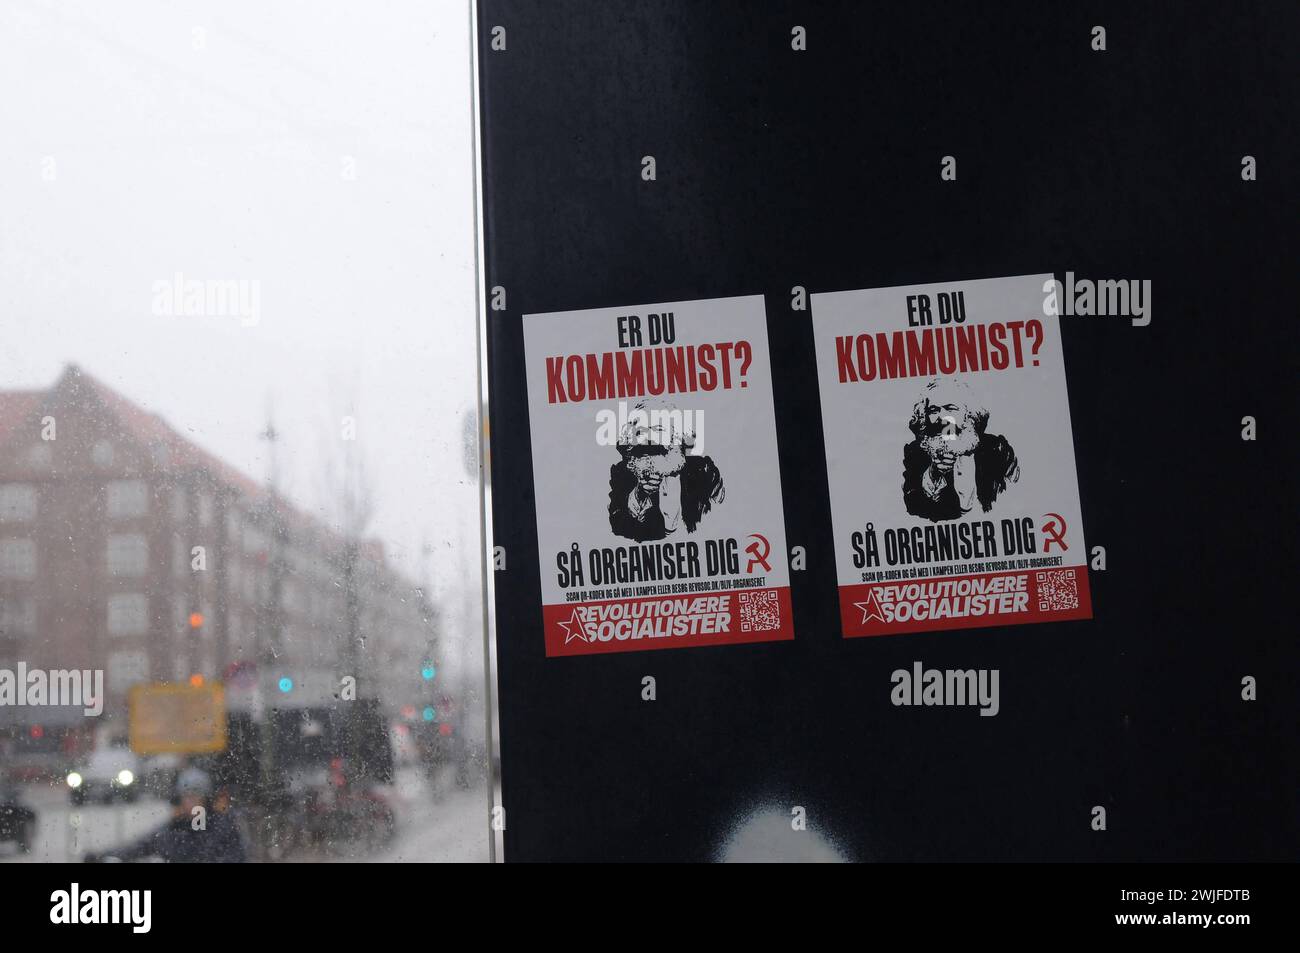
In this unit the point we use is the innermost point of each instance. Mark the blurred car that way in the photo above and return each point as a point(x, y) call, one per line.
point(108, 774)
point(158, 774)
point(17, 820)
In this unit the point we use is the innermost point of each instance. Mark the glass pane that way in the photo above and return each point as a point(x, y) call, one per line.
point(240, 551)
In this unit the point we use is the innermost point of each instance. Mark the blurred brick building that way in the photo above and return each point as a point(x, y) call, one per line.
point(127, 548)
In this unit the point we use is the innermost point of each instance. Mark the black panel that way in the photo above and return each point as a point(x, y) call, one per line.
point(779, 168)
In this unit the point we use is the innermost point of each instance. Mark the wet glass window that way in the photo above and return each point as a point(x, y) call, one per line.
point(240, 550)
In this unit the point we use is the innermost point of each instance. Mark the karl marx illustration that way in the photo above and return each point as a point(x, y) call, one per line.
point(658, 487)
point(953, 464)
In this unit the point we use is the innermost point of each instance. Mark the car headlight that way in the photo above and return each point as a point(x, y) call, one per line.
point(125, 777)
point(74, 780)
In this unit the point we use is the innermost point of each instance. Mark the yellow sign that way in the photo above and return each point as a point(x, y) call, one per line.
point(177, 719)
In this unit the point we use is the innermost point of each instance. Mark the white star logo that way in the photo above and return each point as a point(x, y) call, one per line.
point(573, 628)
point(870, 608)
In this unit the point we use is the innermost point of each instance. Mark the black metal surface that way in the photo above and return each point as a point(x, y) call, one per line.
point(779, 168)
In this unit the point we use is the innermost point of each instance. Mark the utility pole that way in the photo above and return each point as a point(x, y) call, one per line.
point(269, 622)
point(352, 652)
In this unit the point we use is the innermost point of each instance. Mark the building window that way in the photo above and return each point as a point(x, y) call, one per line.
point(102, 454)
point(17, 502)
point(128, 555)
point(179, 556)
point(17, 559)
point(127, 498)
point(39, 456)
point(17, 616)
point(126, 669)
point(180, 504)
point(128, 614)
point(205, 509)
point(254, 540)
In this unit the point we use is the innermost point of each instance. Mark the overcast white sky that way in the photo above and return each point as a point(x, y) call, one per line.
point(142, 138)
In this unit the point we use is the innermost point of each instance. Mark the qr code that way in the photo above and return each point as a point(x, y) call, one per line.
point(1058, 589)
point(760, 611)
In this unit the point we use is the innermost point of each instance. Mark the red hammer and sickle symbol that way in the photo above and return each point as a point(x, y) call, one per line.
point(758, 553)
point(1054, 530)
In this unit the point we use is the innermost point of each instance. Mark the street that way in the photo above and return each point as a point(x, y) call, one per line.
point(449, 828)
